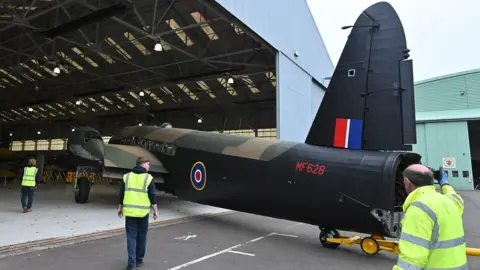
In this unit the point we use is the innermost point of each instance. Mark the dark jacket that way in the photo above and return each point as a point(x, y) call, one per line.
point(38, 177)
point(151, 188)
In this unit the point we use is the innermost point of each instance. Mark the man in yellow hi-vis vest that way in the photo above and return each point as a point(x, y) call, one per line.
point(30, 180)
point(137, 195)
point(432, 228)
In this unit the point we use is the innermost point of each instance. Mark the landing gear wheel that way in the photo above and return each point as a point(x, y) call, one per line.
point(369, 245)
point(329, 233)
point(82, 191)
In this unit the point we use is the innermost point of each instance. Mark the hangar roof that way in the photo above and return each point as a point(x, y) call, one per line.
point(73, 62)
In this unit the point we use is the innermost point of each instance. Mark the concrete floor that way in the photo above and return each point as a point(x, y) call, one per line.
point(56, 215)
point(235, 241)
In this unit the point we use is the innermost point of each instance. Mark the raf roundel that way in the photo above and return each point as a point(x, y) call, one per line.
point(198, 175)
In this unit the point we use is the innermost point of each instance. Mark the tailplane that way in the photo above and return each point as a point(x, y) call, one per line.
point(369, 103)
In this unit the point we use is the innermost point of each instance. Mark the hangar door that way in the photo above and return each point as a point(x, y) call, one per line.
point(446, 144)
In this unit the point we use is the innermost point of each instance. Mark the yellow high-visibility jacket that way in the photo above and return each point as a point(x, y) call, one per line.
point(135, 201)
point(432, 230)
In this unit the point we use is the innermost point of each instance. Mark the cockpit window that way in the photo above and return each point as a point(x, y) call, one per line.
point(91, 135)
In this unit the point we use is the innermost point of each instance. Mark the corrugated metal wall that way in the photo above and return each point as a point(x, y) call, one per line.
point(451, 96)
point(436, 141)
point(455, 92)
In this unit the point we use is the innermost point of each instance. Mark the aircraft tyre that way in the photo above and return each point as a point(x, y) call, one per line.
point(329, 233)
point(82, 191)
point(370, 245)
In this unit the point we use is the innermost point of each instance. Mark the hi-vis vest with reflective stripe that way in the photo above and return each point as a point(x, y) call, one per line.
point(29, 174)
point(432, 231)
point(135, 201)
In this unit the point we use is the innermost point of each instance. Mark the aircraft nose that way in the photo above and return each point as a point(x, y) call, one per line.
point(87, 143)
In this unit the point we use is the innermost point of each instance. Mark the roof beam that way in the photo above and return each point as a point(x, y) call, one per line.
point(153, 37)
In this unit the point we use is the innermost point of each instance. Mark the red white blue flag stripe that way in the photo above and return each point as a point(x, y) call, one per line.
point(348, 133)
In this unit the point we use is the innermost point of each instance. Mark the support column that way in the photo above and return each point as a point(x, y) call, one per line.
point(40, 164)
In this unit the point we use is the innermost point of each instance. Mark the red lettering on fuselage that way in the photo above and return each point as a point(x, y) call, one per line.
point(312, 168)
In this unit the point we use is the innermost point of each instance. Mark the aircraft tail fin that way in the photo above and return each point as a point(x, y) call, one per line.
point(369, 103)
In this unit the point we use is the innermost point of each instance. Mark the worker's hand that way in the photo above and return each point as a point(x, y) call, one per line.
point(155, 215)
point(444, 179)
point(120, 212)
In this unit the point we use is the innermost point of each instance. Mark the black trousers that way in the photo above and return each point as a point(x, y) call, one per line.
point(27, 192)
point(136, 229)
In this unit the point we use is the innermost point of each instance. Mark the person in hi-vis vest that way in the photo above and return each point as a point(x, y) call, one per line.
point(30, 180)
point(137, 195)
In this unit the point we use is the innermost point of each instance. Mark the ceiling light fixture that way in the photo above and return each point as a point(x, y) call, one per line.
point(158, 47)
point(142, 93)
point(230, 80)
point(56, 70)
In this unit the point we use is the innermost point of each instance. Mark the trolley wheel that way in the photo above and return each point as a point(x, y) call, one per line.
point(378, 237)
point(369, 245)
point(329, 233)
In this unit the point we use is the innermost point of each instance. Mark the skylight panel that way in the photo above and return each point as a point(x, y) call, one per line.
point(187, 91)
point(55, 110)
point(4, 115)
point(135, 96)
point(86, 58)
point(32, 70)
point(2, 86)
point(24, 75)
point(107, 100)
point(228, 86)
point(137, 43)
point(28, 113)
point(63, 108)
point(205, 88)
point(11, 76)
point(70, 105)
point(7, 82)
point(98, 104)
point(68, 59)
point(272, 78)
point(153, 96)
point(250, 84)
point(120, 50)
point(205, 27)
point(237, 29)
point(49, 112)
point(129, 104)
point(180, 33)
point(43, 67)
point(168, 92)
point(104, 56)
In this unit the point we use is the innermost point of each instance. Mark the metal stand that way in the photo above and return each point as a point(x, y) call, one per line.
point(86, 171)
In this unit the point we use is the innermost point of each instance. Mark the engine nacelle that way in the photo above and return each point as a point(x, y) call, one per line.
point(85, 147)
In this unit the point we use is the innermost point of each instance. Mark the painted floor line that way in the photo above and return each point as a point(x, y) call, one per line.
point(241, 253)
point(286, 235)
point(230, 250)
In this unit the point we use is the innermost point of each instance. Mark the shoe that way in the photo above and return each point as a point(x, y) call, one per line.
point(24, 210)
point(29, 210)
point(140, 264)
point(130, 267)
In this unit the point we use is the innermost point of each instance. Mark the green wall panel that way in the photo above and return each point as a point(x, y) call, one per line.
point(459, 91)
point(446, 139)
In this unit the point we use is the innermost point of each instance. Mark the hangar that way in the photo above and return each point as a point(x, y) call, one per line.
point(448, 125)
point(218, 66)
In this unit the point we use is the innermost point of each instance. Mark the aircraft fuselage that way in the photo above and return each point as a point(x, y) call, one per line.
point(328, 187)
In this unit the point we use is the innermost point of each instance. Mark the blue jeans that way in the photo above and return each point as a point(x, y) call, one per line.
point(27, 192)
point(136, 229)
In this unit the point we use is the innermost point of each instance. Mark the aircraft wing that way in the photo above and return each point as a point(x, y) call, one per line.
point(119, 159)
